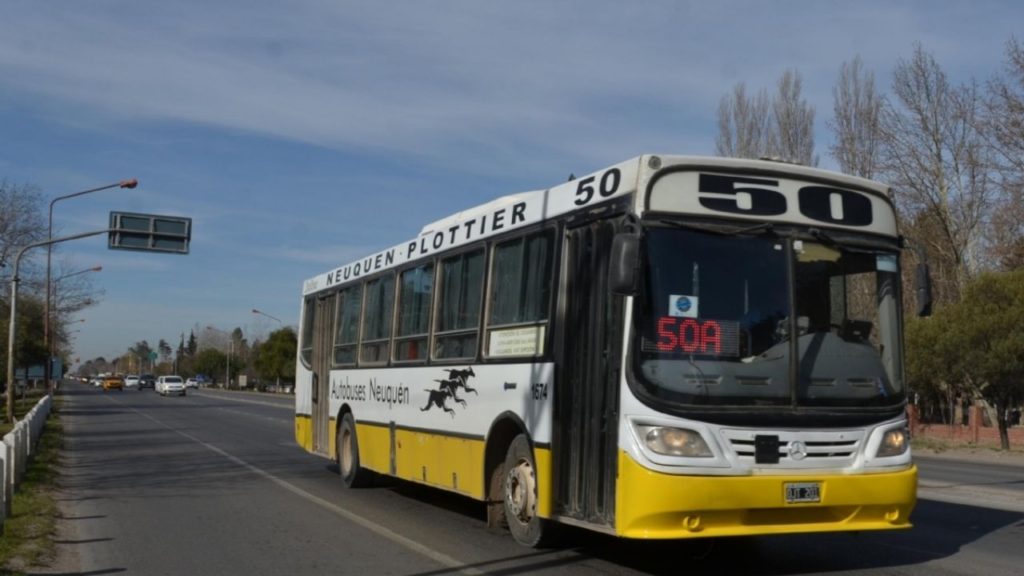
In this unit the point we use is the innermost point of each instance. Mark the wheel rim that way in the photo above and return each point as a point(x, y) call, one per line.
point(346, 451)
point(520, 491)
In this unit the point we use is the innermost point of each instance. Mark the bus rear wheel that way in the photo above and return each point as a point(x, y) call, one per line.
point(520, 495)
point(352, 474)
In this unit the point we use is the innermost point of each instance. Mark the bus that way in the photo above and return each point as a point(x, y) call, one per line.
point(671, 347)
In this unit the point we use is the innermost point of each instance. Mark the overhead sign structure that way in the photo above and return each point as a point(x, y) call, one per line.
point(149, 232)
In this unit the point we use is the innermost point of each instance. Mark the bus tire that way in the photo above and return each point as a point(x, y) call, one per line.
point(352, 474)
point(519, 491)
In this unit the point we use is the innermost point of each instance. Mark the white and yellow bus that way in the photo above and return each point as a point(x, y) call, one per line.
point(671, 347)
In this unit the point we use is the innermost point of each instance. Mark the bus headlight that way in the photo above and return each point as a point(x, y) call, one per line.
point(675, 441)
point(893, 443)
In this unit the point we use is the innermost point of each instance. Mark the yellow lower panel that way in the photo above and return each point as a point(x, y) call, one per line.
point(374, 447)
point(447, 462)
point(545, 496)
point(304, 431)
point(654, 505)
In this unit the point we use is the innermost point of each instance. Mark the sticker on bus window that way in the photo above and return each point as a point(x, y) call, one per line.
point(682, 306)
point(886, 263)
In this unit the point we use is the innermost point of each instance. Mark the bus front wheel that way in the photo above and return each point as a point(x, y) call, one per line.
point(520, 495)
point(352, 474)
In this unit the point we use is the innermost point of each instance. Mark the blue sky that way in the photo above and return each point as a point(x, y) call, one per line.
point(302, 135)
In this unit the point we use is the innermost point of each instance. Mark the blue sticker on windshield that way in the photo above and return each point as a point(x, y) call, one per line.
point(681, 306)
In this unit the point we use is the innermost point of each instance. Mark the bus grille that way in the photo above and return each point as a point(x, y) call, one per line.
point(798, 449)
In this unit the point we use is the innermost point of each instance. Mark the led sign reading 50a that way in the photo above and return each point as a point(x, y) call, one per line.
point(694, 336)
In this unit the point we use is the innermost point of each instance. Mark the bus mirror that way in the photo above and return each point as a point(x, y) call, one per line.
point(923, 287)
point(623, 263)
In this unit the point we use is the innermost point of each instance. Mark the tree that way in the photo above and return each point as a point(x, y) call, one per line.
point(989, 334)
point(275, 359)
point(1003, 123)
point(936, 159)
point(164, 348)
point(138, 355)
point(211, 362)
point(857, 110)
point(762, 126)
point(744, 129)
point(21, 219)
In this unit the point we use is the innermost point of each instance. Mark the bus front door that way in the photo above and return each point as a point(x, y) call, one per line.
point(586, 435)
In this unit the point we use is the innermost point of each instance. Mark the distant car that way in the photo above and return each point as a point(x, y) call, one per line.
point(113, 383)
point(192, 383)
point(97, 381)
point(147, 381)
point(166, 385)
point(131, 381)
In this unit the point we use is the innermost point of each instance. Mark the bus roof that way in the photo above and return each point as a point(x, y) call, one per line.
point(525, 208)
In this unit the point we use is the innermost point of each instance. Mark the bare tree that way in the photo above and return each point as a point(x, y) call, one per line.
point(937, 161)
point(762, 126)
point(744, 124)
point(21, 219)
point(1003, 123)
point(794, 122)
point(857, 110)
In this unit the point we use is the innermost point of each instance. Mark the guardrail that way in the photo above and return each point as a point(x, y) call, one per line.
point(20, 445)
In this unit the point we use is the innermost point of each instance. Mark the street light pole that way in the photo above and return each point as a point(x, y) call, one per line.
point(261, 313)
point(130, 183)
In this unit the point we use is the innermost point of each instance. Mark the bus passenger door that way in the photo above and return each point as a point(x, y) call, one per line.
point(586, 428)
point(323, 321)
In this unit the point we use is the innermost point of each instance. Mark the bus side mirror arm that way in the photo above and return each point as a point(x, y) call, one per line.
point(923, 288)
point(622, 264)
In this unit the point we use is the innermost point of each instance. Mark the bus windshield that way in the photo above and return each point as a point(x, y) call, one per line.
point(716, 321)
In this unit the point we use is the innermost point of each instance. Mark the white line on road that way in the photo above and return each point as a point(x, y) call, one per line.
point(370, 525)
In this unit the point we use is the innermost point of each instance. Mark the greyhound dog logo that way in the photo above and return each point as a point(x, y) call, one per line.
point(461, 377)
point(449, 388)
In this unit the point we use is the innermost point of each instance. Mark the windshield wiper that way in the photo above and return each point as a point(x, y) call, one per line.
point(763, 228)
point(824, 237)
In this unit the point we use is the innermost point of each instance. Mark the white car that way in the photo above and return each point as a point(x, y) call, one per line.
point(166, 385)
point(131, 381)
point(192, 383)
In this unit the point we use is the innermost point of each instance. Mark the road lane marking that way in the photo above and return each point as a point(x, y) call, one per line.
point(232, 398)
point(366, 523)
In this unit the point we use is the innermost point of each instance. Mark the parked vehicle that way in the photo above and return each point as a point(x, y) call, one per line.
point(113, 383)
point(167, 385)
point(131, 381)
point(147, 381)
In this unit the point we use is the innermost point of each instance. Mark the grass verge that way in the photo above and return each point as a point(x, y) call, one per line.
point(28, 535)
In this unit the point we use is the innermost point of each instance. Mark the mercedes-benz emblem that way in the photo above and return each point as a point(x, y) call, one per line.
point(797, 450)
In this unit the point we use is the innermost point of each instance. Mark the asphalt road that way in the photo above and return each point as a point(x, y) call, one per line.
point(213, 483)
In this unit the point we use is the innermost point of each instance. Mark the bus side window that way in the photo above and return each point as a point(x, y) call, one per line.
point(377, 319)
point(415, 291)
point(346, 336)
point(521, 288)
point(457, 321)
point(307, 330)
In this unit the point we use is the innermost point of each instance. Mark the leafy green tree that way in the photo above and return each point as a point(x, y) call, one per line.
point(988, 331)
point(210, 362)
point(974, 347)
point(275, 358)
point(192, 345)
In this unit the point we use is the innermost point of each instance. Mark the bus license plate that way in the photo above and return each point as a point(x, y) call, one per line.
point(803, 492)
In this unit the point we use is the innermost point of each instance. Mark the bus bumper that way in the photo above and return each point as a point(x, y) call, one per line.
point(654, 505)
